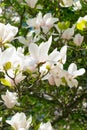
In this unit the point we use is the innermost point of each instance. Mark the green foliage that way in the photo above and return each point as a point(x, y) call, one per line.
point(5, 82)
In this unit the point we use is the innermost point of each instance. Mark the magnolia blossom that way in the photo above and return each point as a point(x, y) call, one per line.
point(19, 121)
point(16, 59)
point(18, 62)
point(77, 5)
point(7, 33)
point(84, 104)
point(45, 22)
point(62, 54)
point(78, 39)
point(66, 3)
point(48, 22)
point(10, 99)
point(31, 3)
point(12, 55)
point(68, 33)
point(40, 53)
point(45, 126)
point(35, 22)
point(73, 70)
point(17, 78)
point(29, 39)
point(81, 22)
point(72, 74)
point(82, 19)
point(16, 19)
point(56, 75)
point(55, 58)
point(59, 76)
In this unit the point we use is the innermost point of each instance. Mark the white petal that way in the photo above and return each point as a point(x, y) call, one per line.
point(21, 39)
point(2, 29)
point(46, 16)
point(31, 22)
point(72, 83)
point(44, 48)
point(63, 54)
point(72, 68)
point(54, 55)
point(79, 72)
point(29, 122)
point(31, 3)
point(34, 51)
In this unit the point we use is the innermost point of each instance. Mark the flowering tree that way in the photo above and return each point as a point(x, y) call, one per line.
point(43, 55)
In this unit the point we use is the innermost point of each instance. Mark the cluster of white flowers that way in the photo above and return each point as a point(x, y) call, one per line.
point(38, 54)
point(10, 99)
point(45, 22)
point(19, 122)
point(31, 3)
point(68, 3)
point(7, 33)
point(68, 34)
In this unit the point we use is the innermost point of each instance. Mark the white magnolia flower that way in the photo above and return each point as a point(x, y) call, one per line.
point(40, 53)
point(77, 5)
point(78, 39)
point(61, 77)
point(16, 19)
point(68, 33)
point(56, 57)
point(45, 126)
point(56, 75)
point(35, 22)
point(62, 54)
point(82, 19)
point(19, 121)
point(74, 72)
point(10, 99)
point(31, 3)
point(81, 22)
point(11, 55)
point(45, 22)
point(48, 22)
point(66, 3)
point(18, 61)
point(84, 104)
point(29, 39)
point(18, 77)
point(7, 33)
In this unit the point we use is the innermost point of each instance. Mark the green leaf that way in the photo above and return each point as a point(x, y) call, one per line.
point(63, 25)
point(5, 82)
point(2, 75)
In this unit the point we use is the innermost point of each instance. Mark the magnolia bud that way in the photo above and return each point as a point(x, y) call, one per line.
point(78, 39)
